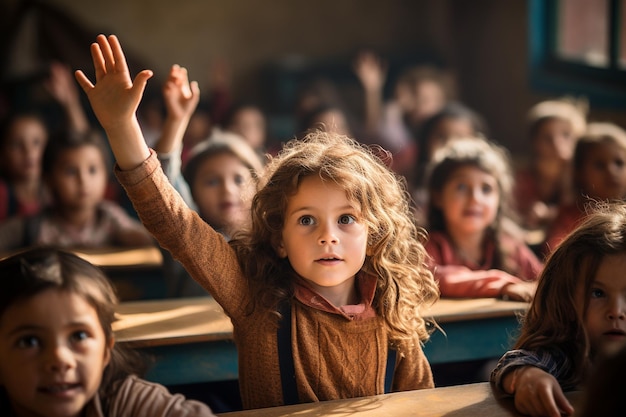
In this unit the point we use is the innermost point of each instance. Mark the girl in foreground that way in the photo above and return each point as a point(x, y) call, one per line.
point(57, 353)
point(330, 276)
point(577, 318)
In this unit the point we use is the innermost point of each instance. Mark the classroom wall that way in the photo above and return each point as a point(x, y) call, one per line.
point(484, 40)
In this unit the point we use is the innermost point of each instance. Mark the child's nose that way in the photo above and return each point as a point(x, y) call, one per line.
point(327, 235)
point(59, 358)
point(617, 309)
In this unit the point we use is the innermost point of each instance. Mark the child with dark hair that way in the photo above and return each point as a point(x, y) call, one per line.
point(75, 169)
point(599, 174)
point(577, 317)
point(57, 349)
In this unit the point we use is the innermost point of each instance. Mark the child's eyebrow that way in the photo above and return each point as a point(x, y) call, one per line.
point(24, 328)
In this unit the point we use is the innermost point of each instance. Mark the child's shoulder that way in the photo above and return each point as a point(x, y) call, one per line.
point(153, 399)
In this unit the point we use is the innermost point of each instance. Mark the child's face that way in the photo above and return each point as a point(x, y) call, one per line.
point(324, 238)
point(603, 172)
point(333, 121)
point(555, 139)
point(52, 354)
point(469, 200)
point(223, 190)
point(79, 178)
point(605, 319)
point(23, 148)
point(250, 124)
point(446, 129)
point(429, 98)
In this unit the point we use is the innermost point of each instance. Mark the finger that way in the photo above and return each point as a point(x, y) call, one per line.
point(195, 89)
point(83, 81)
point(98, 61)
point(107, 54)
point(118, 54)
point(139, 84)
point(562, 403)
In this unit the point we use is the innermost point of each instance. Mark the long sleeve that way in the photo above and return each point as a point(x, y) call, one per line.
point(457, 279)
point(553, 362)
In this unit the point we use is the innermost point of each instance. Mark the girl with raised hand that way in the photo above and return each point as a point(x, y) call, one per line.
point(329, 280)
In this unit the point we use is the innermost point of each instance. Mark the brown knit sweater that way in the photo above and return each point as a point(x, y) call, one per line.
point(335, 355)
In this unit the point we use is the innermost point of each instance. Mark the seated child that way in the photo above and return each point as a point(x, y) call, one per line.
point(75, 168)
point(473, 255)
point(58, 355)
point(599, 172)
point(331, 267)
point(544, 183)
point(23, 137)
point(577, 318)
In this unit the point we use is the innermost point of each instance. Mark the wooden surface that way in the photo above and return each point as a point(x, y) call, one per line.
point(472, 400)
point(140, 257)
point(201, 319)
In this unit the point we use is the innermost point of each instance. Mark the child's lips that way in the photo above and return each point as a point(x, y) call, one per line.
point(60, 389)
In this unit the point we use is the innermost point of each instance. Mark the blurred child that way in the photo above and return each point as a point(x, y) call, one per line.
point(454, 120)
point(545, 183)
point(219, 178)
point(23, 137)
point(420, 92)
point(474, 254)
point(330, 118)
point(248, 121)
point(577, 318)
point(57, 349)
point(331, 268)
point(599, 172)
point(75, 168)
point(22, 142)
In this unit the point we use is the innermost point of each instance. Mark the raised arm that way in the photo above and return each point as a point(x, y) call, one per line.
point(181, 99)
point(372, 74)
point(63, 88)
point(115, 98)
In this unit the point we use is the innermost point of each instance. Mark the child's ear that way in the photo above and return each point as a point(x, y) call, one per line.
point(107, 351)
point(280, 250)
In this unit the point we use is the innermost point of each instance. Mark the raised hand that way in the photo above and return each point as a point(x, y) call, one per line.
point(115, 98)
point(181, 99)
point(370, 70)
point(181, 96)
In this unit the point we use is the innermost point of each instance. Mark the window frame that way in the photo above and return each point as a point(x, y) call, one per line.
point(603, 87)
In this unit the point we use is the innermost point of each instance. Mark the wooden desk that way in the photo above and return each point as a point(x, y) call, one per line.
point(191, 338)
point(457, 401)
point(136, 272)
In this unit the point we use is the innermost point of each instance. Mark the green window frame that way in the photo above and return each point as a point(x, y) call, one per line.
point(604, 84)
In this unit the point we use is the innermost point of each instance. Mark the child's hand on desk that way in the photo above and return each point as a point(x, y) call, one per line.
point(537, 393)
point(523, 291)
point(115, 98)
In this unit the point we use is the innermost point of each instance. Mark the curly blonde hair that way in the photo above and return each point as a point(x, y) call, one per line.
point(395, 254)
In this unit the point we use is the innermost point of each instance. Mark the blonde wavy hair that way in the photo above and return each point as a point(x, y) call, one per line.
point(395, 254)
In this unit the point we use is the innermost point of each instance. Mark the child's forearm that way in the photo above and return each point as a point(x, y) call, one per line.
point(128, 144)
point(172, 134)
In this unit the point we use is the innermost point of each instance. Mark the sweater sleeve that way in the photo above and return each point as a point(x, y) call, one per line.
point(138, 398)
point(553, 362)
point(460, 281)
point(203, 252)
point(412, 372)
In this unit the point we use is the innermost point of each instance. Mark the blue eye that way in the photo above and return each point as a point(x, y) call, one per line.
point(346, 219)
point(597, 293)
point(306, 220)
point(27, 342)
point(79, 335)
